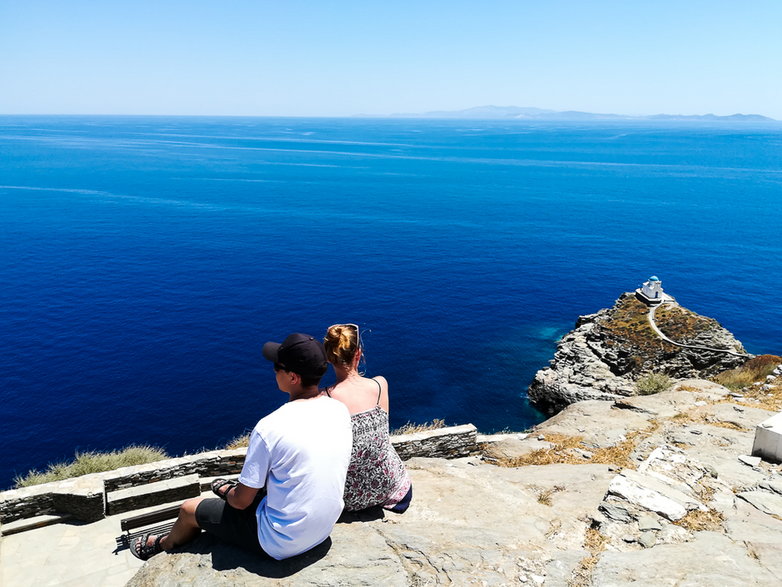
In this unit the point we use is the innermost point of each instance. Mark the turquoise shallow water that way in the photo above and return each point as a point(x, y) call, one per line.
point(144, 260)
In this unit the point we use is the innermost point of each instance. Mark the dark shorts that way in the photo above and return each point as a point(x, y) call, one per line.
point(238, 527)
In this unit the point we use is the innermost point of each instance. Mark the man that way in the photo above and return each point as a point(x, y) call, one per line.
point(289, 493)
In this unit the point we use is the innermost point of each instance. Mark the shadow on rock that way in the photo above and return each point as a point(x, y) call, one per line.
point(367, 515)
point(226, 557)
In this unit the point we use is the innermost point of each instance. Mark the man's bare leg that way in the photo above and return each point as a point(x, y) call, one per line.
point(185, 528)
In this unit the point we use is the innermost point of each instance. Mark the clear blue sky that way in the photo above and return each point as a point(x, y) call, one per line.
point(338, 58)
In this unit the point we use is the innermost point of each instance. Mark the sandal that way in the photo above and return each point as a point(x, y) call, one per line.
point(142, 549)
point(218, 484)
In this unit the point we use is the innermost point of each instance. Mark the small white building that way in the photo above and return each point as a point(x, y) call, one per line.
point(768, 439)
point(651, 292)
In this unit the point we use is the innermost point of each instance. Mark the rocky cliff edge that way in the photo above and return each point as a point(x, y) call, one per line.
point(644, 490)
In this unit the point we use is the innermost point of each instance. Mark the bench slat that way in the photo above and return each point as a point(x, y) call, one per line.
point(149, 518)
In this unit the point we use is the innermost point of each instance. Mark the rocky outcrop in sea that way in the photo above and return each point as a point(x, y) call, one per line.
point(607, 352)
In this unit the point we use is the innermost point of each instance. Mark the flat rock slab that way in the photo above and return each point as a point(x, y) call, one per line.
point(647, 522)
point(653, 494)
point(614, 426)
point(646, 498)
point(616, 512)
point(749, 461)
point(468, 522)
point(746, 417)
point(748, 524)
point(768, 503)
point(772, 485)
point(710, 559)
point(669, 403)
point(511, 448)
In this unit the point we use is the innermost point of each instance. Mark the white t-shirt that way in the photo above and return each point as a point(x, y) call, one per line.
point(300, 453)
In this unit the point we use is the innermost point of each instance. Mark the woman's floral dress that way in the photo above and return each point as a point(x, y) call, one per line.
point(376, 474)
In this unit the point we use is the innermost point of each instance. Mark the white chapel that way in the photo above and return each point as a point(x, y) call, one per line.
point(651, 291)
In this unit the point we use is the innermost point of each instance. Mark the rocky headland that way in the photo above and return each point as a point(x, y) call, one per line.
point(607, 352)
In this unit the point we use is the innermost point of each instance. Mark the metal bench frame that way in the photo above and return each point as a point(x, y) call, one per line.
point(144, 521)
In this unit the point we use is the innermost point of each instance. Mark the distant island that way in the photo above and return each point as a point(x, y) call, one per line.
point(518, 113)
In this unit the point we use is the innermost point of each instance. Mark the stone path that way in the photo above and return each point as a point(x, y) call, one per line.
point(662, 335)
point(74, 555)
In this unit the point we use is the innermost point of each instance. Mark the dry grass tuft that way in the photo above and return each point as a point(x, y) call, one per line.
point(697, 520)
point(411, 428)
point(681, 445)
point(595, 543)
point(554, 526)
point(754, 397)
point(563, 451)
point(544, 495)
point(704, 492)
point(620, 454)
point(729, 425)
point(241, 441)
point(92, 462)
point(705, 418)
point(750, 372)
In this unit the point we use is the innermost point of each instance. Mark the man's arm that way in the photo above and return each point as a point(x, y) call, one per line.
point(240, 496)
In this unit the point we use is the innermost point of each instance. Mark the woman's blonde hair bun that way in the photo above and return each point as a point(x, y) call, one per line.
point(341, 344)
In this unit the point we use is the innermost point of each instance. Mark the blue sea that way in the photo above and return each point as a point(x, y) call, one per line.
point(145, 260)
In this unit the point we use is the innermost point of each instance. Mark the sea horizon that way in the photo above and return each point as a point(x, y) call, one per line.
point(147, 258)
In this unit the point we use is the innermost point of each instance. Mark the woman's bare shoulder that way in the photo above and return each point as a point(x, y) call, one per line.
point(381, 380)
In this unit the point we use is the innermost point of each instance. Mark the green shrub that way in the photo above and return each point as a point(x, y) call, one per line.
point(92, 462)
point(653, 383)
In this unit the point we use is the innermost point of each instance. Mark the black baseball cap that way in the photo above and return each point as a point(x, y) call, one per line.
point(299, 353)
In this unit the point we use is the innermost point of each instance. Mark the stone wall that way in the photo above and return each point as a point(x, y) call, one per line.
point(19, 507)
point(207, 464)
point(447, 443)
point(84, 498)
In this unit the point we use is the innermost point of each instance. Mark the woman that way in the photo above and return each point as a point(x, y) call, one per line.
point(376, 474)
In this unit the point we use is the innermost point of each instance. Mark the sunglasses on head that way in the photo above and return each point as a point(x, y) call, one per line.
point(359, 347)
point(358, 334)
